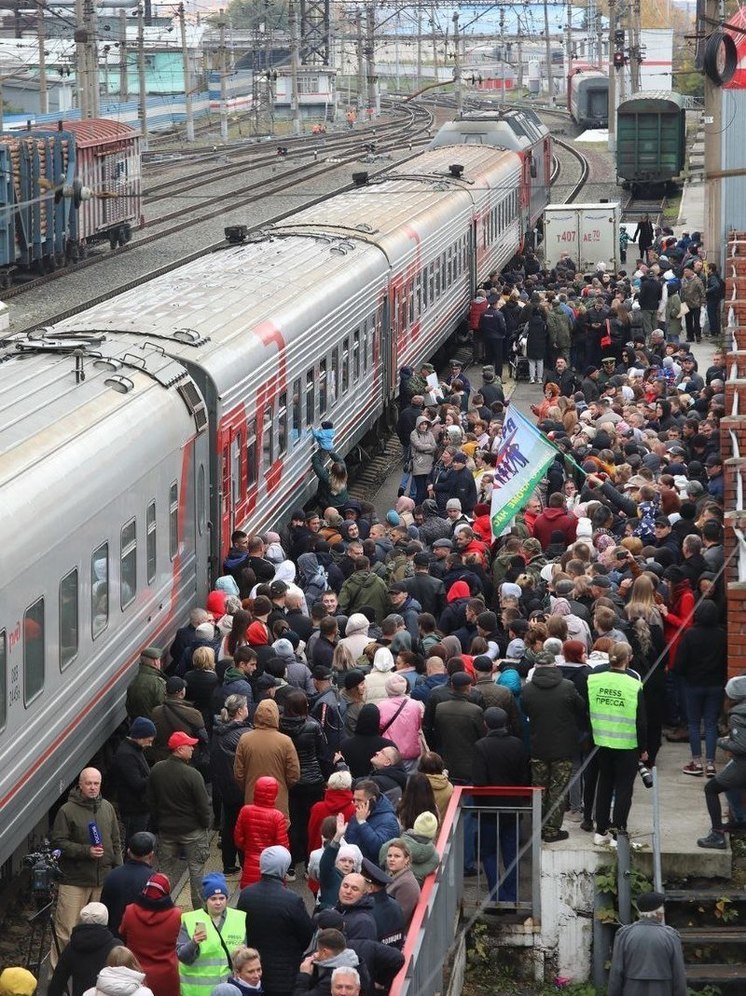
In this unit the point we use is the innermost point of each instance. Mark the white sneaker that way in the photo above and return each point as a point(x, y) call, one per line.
point(603, 840)
point(532, 381)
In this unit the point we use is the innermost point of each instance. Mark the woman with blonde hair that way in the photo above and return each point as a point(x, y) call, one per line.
point(201, 683)
point(121, 976)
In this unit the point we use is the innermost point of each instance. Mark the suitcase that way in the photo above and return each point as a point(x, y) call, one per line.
point(521, 369)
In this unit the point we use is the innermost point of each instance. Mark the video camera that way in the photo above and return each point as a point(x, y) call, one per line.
point(45, 871)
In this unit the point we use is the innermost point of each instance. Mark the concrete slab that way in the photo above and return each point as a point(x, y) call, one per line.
point(692, 209)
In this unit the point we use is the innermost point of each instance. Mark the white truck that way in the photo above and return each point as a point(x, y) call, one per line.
point(588, 233)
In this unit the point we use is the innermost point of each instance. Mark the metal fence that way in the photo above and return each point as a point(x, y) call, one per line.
point(435, 924)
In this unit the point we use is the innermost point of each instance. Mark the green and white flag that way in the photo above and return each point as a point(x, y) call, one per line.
point(522, 459)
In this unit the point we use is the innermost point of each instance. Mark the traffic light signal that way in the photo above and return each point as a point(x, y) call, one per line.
point(619, 60)
point(619, 37)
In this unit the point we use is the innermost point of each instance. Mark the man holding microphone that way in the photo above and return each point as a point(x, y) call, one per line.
point(86, 832)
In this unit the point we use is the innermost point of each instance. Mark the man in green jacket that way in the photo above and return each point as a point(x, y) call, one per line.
point(558, 325)
point(148, 690)
point(180, 813)
point(363, 587)
point(86, 831)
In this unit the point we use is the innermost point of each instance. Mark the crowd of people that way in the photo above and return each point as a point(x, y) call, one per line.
point(352, 667)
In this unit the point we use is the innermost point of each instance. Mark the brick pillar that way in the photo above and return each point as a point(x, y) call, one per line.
point(733, 448)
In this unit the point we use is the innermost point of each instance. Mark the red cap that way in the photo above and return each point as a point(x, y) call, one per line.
point(157, 886)
point(181, 739)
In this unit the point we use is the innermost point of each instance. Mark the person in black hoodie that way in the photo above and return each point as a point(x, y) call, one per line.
point(358, 750)
point(125, 882)
point(229, 727)
point(85, 955)
point(701, 663)
point(499, 759)
point(556, 714)
point(130, 772)
point(309, 789)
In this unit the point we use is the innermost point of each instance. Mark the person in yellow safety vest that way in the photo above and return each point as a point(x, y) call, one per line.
point(618, 723)
point(207, 938)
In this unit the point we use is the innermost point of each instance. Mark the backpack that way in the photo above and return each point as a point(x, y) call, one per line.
point(317, 585)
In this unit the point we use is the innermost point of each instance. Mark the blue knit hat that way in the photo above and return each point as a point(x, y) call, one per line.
point(214, 884)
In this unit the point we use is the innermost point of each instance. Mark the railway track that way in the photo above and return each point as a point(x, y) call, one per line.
point(635, 207)
point(582, 162)
point(414, 128)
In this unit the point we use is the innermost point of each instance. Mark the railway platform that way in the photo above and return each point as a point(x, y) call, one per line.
point(692, 209)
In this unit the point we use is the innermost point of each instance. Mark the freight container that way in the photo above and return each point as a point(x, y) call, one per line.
point(588, 233)
point(650, 139)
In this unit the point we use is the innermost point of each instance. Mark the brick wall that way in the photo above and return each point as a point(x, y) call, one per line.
point(733, 446)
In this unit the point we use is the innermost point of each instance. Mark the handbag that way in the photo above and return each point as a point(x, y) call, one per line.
point(606, 337)
point(683, 310)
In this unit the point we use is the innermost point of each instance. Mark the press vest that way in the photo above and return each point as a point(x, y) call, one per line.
point(212, 965)
point(612, 700)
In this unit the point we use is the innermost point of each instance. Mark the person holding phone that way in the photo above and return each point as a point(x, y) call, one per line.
point(207, 937)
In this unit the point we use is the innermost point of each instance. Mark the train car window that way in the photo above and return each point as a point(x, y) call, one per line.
point(236, 454)
point(99, 590)
point(334, 377)
point(310, 399)
point(3, 679)
point(251, 461)
point(431, 283)
point(356, 355)
point(201, 500)
point(150, 541)
point(282, 424)
point(297, 413)
point(268, 442)
point(173, 520)
point(410, 297)
point(345, 365)
point(33, 651)
point(128, 564)
point(323, 388)
point(68, 608)
point(365, 345)
point(425, 277)
point(437, 268)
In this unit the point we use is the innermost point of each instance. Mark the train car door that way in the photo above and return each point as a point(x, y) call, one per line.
point(231, 436)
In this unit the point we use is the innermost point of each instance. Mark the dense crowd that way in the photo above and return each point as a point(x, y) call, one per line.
point(350, 668)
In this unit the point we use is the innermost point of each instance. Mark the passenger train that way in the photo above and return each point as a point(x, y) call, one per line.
point(137, 435)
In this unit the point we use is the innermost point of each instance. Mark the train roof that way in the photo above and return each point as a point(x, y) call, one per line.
point(55, 425)
point(514, 129)
point(651, 100)
point(91, 132)
point(200, 313)
point(399, 208)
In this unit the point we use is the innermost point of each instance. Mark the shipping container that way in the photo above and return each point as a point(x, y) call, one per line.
point(650, 139)
point(588, 233)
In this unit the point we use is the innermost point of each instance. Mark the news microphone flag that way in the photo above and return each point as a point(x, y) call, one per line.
point(94, 834)
point(522, 460)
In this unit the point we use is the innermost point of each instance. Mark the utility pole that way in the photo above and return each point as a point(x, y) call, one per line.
point(600, 39)
point(43, 102)
point(635, 55)
point(142, 93)
point(612, 78)
point(519, 46)
point(370, 21)
point(502, 53)
point(548, 40)
point(568, 43)
point(187, 77)
point(223, 74)
point(713, 154)
point(81, 69)
point(123, 80)
point(361, 82)
point(419, 47)
point(457, 65)
point(435, 43)
point(294, 64)
point(91, 46)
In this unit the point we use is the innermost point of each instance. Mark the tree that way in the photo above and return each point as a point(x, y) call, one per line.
point(251, 15)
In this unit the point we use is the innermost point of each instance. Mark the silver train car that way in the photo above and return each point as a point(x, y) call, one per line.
point(137, 435)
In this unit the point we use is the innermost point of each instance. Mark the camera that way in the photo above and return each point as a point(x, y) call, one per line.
point(45, 872)
point(646, 774)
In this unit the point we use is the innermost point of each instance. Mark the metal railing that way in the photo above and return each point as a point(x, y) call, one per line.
point(435, 925)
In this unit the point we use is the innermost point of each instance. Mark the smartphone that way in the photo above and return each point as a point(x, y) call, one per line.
point(199, 925)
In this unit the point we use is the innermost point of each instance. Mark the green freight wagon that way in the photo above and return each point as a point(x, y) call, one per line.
point(650, 139)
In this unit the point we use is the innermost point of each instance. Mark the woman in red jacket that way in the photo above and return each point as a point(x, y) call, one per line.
point(149, 928)
point(678, 617)
point(260, 825)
